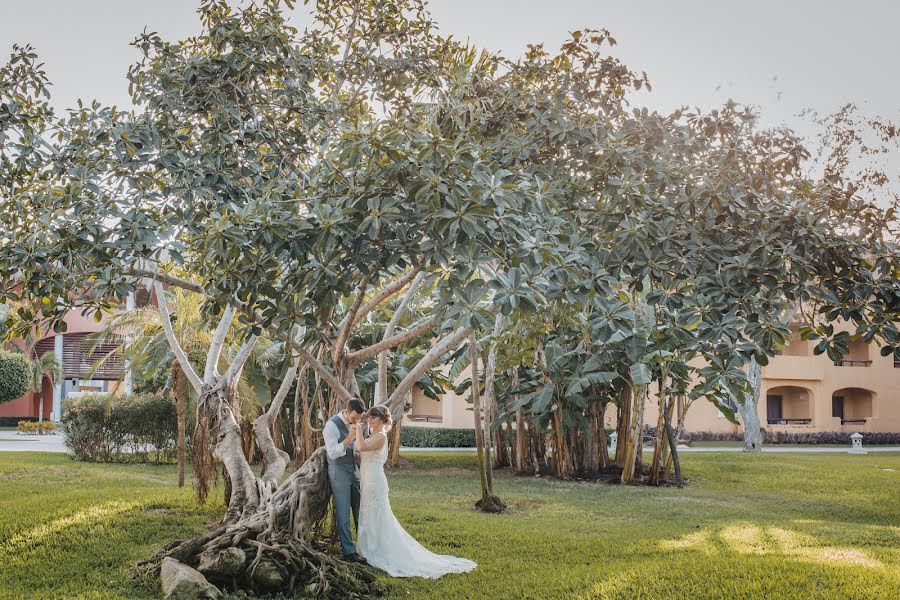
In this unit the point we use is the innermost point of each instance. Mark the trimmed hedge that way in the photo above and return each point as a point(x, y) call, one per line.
point(15, 375)
point(14, 421)
point(782, 437)
point(112, 428)
point(436, 437)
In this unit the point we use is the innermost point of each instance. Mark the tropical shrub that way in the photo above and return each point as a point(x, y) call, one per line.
point(15, 375)
point(14, 421)
point(111, 428)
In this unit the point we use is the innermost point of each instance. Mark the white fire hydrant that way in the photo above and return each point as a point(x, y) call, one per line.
point(856, 446)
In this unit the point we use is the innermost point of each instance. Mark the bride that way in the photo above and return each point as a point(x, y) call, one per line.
point(382, 541)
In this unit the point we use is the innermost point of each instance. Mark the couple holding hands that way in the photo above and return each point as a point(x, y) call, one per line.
point(382, 541)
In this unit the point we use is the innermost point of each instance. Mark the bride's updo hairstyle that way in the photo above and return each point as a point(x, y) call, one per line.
point(384, 414)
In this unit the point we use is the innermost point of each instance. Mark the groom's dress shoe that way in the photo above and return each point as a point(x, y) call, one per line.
point(355, 558)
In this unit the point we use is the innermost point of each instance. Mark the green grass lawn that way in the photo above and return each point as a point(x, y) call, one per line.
point(748, 526)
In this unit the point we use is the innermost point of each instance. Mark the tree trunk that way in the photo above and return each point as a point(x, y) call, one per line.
point(521, 453)
point(659, 443)
point(488, 502)
point(623, 418)
point(538, 450)
point(500, 456)
point(661, 446)
point(634, 441)
point(394, 459)
point(749, 410)
point(560, 454)
point(178, 399)
point(673, 446)
point(521, 449)
point(604, 440)
point(273, 545)
point(678, 431)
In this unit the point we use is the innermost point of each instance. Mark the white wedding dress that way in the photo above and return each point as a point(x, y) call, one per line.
point(381, 539)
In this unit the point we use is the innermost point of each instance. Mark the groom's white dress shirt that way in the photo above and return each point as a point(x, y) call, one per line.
point(334, 447)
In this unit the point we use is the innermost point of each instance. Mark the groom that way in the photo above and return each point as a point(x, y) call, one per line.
point(339, 433)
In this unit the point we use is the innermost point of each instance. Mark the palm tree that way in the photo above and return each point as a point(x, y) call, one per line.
point(43, 366)
point(149, 356)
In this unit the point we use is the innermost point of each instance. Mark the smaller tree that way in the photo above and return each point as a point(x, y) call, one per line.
point(43, 366)
point(15, 375)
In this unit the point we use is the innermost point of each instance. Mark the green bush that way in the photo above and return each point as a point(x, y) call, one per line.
point(15, 375)
point(14, 421)
point(434, 437)
point(111, 428)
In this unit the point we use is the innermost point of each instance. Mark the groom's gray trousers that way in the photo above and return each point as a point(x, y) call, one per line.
point(344, 480)
point(345, 489)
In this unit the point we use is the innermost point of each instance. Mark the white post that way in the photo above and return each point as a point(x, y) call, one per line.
point(447, 410)
point(58, 386)
point(129, 306)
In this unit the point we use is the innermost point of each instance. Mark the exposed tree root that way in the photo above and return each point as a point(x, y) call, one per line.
point(491, 504)
point(274, 550)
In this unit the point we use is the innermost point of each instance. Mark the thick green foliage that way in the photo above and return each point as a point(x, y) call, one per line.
point(433, 437)
point(15, 375)
point(111, 428)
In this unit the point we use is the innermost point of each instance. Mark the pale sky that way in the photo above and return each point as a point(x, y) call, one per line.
point(781, 55)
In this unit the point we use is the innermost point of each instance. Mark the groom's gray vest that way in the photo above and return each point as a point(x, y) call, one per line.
point(346, 462)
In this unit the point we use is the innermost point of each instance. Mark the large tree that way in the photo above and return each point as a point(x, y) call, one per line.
point(306, 182)
point(301, 181)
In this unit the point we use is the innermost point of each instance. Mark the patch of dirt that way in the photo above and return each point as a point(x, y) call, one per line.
point(610, 475)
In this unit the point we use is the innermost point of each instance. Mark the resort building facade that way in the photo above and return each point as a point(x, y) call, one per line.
point(800, 392)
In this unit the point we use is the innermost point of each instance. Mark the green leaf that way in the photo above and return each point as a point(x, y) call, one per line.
point(640, 374)
point(543, 398)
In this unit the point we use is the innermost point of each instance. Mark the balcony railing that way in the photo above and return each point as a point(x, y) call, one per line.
point(852, 362)
point(852, 421)
point(790, 421)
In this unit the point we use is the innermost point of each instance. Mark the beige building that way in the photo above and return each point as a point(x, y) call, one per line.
point(800, 393)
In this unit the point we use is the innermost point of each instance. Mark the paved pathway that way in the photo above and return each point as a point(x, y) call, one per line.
point(13, 441)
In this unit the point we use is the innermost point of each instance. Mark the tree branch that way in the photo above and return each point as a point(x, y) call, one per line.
point(286, 383)
point(335, 94)
point(383, 356)
point(438, 350)
point(355, 358)
point(180, 355)
point(385, 293)
point(276, 459)
point(347, 324)
point(324, 373)
point(239, 361)
point(168, 279)
point(218, 340)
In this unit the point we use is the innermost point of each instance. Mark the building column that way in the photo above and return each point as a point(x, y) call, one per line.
point(129, 306)
point(58, 386)
point(447, 401)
